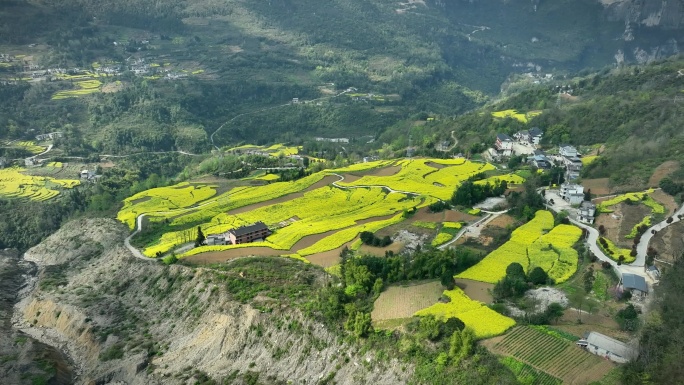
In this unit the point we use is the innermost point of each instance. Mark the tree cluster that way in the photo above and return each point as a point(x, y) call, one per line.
point(516, 283)
point(469, 193)
point(371, 239)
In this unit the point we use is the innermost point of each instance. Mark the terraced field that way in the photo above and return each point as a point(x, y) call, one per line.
point(274, 150)
point(309, 216)
point(557, 357)
point(431, 177)
point(636, 197)
point(514, 114)
point(14, 183)
point(85, 87)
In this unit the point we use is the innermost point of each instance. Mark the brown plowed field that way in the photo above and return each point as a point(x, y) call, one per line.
point(403, 301)
point(502, 221)
point(598, 186)
point(479, 291)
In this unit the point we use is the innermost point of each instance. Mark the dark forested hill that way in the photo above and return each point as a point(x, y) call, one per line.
point(239, 56)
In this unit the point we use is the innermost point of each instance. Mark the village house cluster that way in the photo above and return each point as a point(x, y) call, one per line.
point(527, 142)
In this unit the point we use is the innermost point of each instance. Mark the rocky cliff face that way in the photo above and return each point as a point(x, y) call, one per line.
point(22, 358)
point(667, 14)
point(121, 319)
point(653, 28)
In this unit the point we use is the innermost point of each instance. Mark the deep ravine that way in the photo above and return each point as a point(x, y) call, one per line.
point(24, 360)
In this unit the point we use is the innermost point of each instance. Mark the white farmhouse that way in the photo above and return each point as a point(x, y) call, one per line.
point(572, 193)
point(504, 145)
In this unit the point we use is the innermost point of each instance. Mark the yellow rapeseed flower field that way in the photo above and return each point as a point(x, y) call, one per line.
point(531, 246)
point(14, 183)
point(484, 321)
point(419, 176)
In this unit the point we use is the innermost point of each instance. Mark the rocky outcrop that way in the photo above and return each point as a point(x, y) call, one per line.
point(648, 13)
point(121, 319)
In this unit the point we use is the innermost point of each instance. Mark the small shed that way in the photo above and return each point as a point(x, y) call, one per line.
point(635, 283)
point(653, 272)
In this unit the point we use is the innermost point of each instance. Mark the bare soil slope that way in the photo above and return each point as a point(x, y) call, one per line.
point(124, 320)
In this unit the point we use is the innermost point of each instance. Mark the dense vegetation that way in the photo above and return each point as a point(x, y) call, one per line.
point(660, 345)
point(635, 111)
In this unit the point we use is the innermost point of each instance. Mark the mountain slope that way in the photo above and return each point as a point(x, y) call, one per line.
point(140, 322)
point(242, 56)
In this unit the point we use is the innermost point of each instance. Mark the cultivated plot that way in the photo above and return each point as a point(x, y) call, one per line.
point(558, 357)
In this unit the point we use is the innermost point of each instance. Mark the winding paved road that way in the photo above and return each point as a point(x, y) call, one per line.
point(642, 247)
point(211, 137)
point(636, 267)
point(475, 227)
point(127, 242)
point(593, 234)
point(388, 188)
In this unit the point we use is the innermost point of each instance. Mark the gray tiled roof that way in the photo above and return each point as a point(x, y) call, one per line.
point(249, 229)
point(609, 344)
point(633, 281)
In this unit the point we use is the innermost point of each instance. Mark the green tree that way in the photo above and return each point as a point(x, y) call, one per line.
point(362, 324)
point(589, 279)
point(577, 299)
point(554, 311)
point(378, 286)
point(199, 241)
point(429, 328)
point(515, 270)
point(447, 280)
point(538, 276)
point(461, 344)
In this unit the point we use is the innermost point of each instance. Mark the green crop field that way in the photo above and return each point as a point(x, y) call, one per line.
point(557, 357)
point(532, 245)
point(527, 374)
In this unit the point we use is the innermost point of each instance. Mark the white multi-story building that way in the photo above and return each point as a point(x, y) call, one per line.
point(586, 212)
point(572, 193)
point(504, 145)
